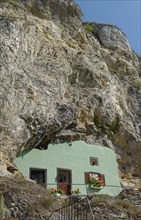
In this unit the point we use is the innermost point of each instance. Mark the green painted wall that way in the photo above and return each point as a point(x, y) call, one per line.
point(77, 158)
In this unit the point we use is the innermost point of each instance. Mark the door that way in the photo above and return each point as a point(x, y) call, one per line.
point(64, 180)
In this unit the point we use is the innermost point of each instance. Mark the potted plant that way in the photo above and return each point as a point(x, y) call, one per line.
point(76, 191)
point(60, 191)
point(52, 191)
point(55, 191)
point(96, 182)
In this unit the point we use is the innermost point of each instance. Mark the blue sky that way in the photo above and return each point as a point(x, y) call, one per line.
point(125, 14)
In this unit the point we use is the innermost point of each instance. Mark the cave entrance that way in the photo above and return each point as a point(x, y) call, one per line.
point(38, 175)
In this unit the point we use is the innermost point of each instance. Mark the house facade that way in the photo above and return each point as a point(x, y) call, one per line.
point(71, 166)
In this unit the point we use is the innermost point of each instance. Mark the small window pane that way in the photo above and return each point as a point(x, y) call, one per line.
point(94, 161)
point(38, 175)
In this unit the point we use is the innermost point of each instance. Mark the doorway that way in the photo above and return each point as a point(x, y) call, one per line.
point(64, 180)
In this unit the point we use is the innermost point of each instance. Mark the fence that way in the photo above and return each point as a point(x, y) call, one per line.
point(79, 210)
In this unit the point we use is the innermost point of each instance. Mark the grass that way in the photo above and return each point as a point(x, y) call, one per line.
point(127, 207)
point(122, 204)
point(47, 203)
point(100, 200)
point(108, 204)
point(37, 200)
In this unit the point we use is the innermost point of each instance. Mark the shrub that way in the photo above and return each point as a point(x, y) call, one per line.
point(111, 128)
point(89, 28)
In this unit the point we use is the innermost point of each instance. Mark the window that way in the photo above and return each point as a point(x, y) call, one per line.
point(38, 175)
point(89, 176)
point(94, 161)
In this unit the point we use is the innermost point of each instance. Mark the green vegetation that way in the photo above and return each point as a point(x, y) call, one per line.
point(127, 207)
point(111, 128)
point(89, 28)
point(95, 182)
point(54, 191)
point(98, 200)
point(122, 203)
point(76, 191)
point(116, 205)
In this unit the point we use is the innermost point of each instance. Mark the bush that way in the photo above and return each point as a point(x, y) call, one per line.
point(89, 28)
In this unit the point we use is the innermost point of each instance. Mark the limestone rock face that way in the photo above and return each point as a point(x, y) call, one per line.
point(111, 37)
point(61, 83)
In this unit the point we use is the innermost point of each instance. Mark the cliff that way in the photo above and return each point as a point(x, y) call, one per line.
point(62, 80)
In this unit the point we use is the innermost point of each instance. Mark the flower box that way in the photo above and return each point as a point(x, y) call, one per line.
point(96, 181)
point(95, 187)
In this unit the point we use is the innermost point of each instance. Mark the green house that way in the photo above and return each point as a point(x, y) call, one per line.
point(91, 168)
